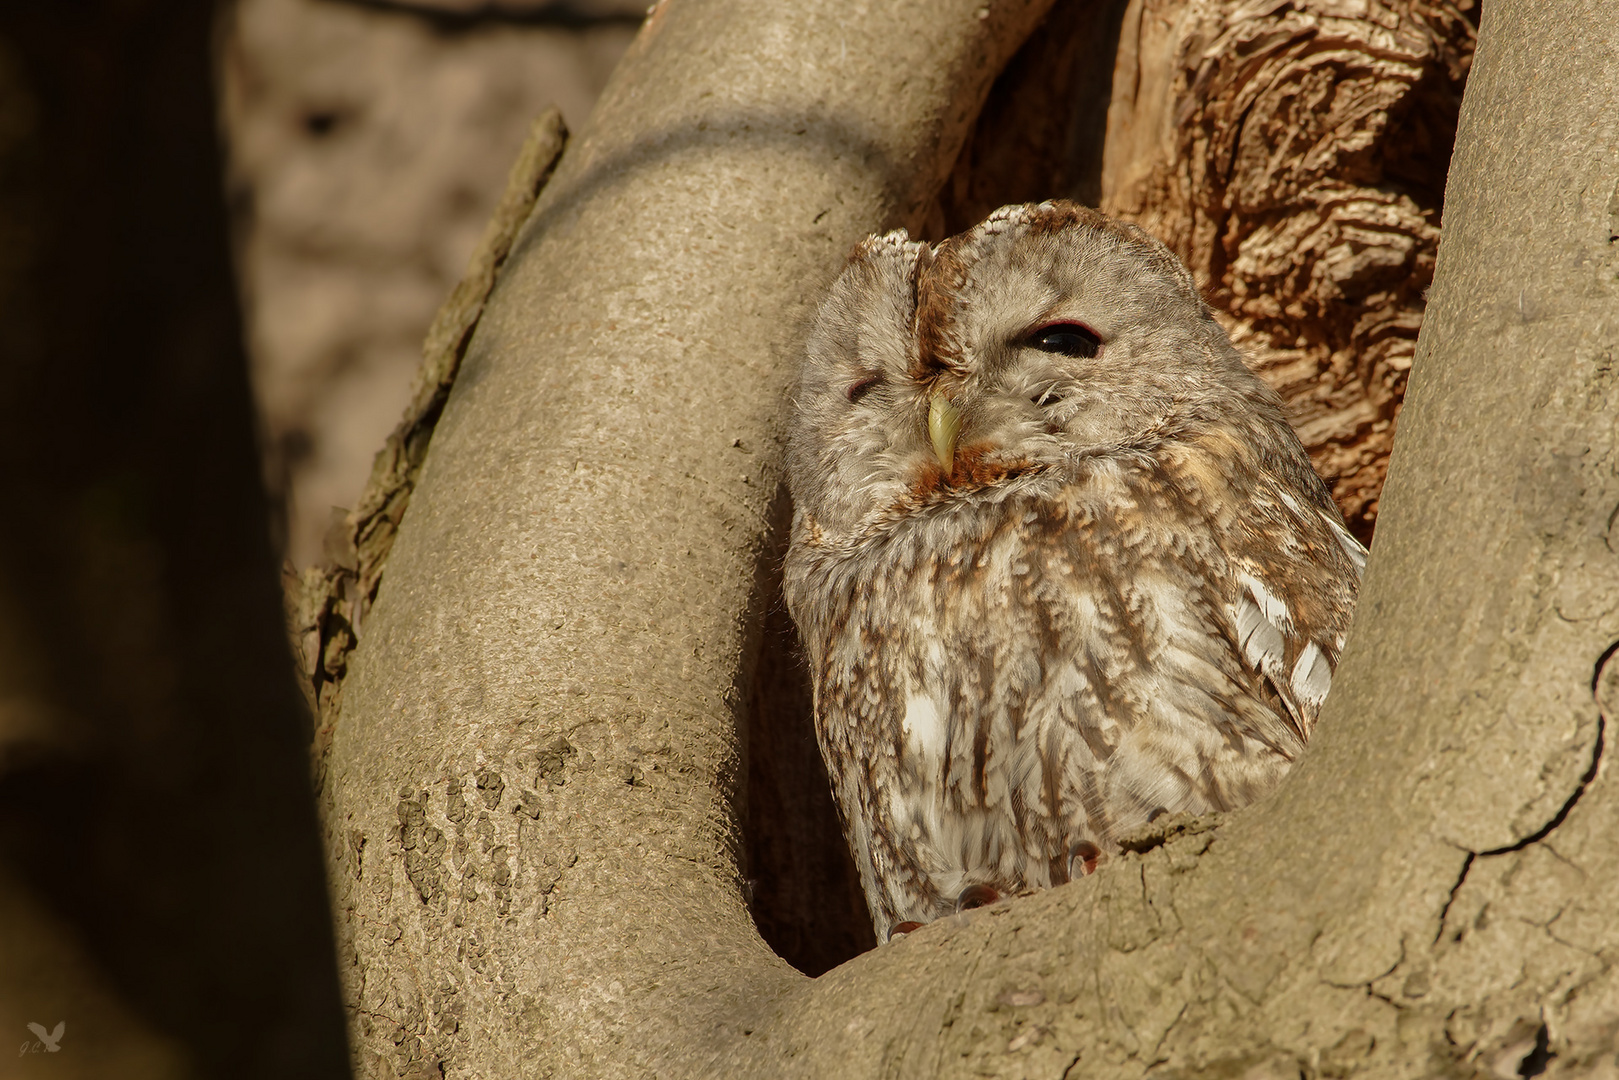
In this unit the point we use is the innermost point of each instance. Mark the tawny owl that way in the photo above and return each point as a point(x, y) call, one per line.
point(1059, 563)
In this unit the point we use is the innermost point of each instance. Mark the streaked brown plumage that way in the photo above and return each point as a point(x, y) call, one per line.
point(1058, 561)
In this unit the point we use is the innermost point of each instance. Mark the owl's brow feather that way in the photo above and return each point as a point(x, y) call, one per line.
point(937, 281)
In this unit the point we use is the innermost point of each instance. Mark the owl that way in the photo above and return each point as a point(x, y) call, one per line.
point(1059, 563)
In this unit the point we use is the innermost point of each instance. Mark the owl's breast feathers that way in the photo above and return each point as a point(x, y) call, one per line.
point(1008, 667)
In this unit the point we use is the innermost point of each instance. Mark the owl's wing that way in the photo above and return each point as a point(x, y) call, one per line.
point(1270, 643)
point(1346, 540)
point(1297, 660)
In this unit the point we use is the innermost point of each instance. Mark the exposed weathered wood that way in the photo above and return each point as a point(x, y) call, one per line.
point(1294, 155)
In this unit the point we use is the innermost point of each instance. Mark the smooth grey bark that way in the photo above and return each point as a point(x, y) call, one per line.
point(533, 779)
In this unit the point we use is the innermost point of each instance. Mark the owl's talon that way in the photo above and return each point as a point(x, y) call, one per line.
point(899, 930)
point(1083, 859)
point(976, 896)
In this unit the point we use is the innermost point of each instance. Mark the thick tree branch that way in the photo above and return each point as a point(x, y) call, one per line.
point(534, 776)
point(533, 781)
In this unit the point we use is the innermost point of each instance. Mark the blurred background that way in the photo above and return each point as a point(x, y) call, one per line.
point(163, 903)
point(367, 142)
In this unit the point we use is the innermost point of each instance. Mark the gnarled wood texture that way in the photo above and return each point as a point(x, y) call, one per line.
point(1294, 155)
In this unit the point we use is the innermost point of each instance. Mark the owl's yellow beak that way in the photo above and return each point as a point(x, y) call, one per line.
point(944, 426)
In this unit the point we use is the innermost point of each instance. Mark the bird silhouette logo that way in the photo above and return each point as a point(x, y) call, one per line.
point(51, 1039)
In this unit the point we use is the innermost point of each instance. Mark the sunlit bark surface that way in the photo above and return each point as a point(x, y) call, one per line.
point(534, 780)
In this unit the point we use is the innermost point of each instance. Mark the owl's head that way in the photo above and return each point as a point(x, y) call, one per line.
point(1046, 334)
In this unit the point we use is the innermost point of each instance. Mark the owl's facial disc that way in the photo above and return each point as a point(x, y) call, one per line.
point(974, 431)
point(1005, 409)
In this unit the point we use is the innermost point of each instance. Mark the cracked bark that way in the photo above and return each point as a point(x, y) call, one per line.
point(581, 571)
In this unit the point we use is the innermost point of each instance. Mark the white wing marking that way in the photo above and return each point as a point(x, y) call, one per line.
point(1261, 621)
point(1273, 610)
point(1264, 629)
point(1346, 540)
point(1312, 676)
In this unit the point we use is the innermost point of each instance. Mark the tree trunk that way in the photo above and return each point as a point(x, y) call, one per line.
point(535, 776)
point(534, 779)
point(160, 874)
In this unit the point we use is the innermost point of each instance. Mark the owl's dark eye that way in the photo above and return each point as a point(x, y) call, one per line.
point(860, 387)
point(1067, 339)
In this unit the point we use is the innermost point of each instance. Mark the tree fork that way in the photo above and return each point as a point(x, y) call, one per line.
point(1430, 893)
point(533, 781)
